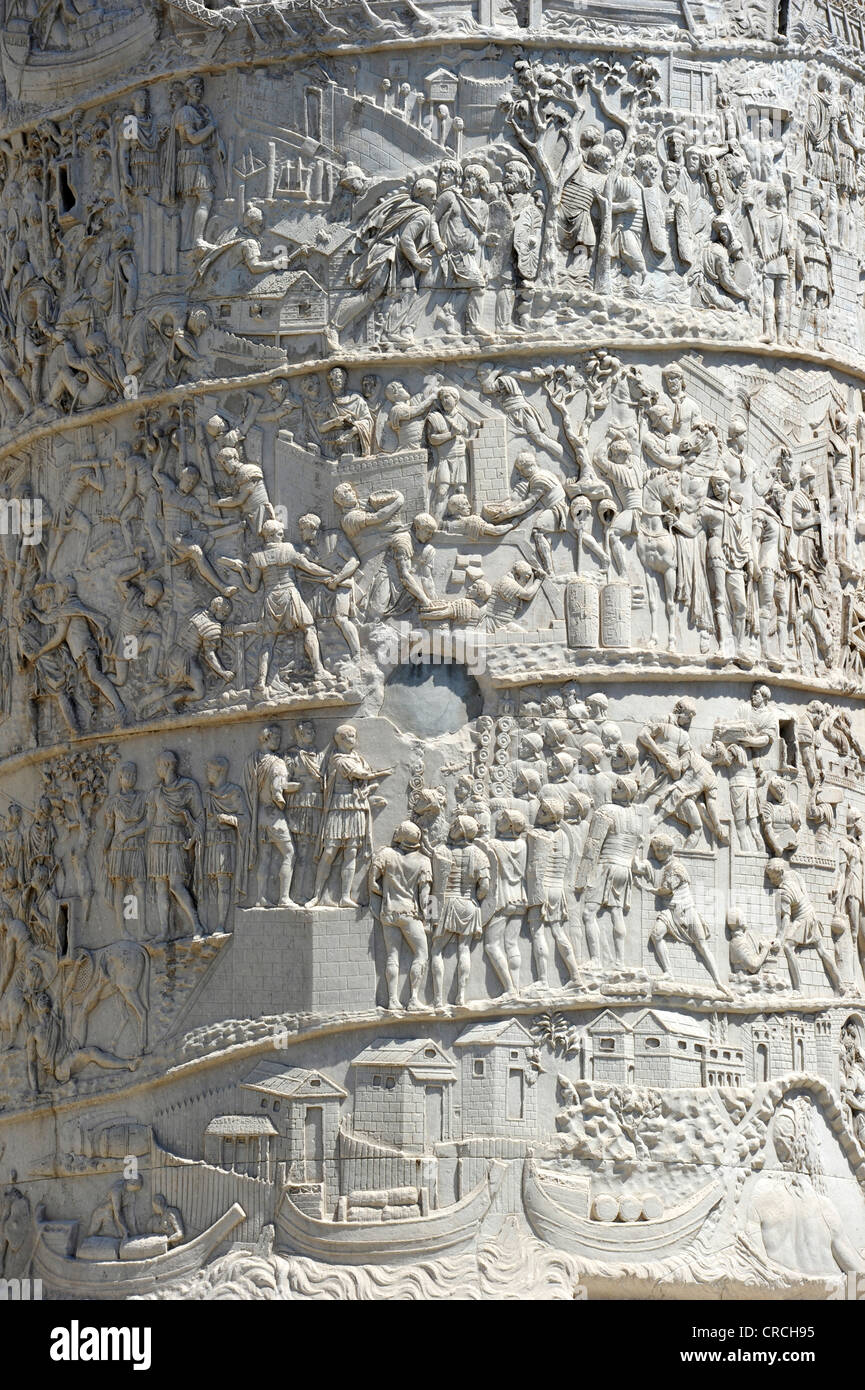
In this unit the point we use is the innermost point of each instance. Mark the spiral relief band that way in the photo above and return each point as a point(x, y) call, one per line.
point(432, 654)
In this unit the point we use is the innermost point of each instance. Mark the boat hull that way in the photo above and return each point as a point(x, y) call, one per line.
point(33, 76)
point(447, 1231)
point(561, 1225)
point(121, 1278)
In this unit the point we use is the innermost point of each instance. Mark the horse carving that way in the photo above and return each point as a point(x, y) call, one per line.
point(95, 974)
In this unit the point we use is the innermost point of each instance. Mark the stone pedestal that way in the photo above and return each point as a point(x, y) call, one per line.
point(288, 960)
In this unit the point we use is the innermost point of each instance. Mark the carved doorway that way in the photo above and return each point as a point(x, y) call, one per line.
point(313, 1143)
point(435, 1115)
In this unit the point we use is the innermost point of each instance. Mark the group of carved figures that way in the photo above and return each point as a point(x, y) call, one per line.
point(176, 858)
point(47, 998)
point(750, 556)
point(90, 214)
point(560, 844)
point(50, 984)
point(559, 850)
point(592, 194)
point(189, 529)
point(115, 1221)
point(751, 559)
point(179, 525)
point(598, 195)
point(558, 847)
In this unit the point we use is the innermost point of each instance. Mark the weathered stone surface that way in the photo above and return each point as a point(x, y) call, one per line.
point(431, 743)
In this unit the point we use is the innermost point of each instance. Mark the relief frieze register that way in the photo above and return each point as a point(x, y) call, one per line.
point(432, 652)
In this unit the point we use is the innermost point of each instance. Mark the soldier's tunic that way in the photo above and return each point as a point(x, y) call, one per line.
point(550, 860)
point(220, 846)
point(509, 880)
point(265, 777)
point(613, 879)
point(680, 921)
point(401, 877)
point(459, 869)
point(284, 608)
point(173, 811)
point(303, 807)
point(144, 171)
point(346, 820)
point(124, 858)
point(200, 634)
point(190, 176)
point(792, 899)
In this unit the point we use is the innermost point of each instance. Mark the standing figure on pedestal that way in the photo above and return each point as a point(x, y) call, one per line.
point(175, 829)
point(267, 784)
point(303, 807)
point(400, 877)
point(226, 830)
point(346, 818)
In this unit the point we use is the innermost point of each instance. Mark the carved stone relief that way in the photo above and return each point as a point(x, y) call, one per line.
point(432, 554)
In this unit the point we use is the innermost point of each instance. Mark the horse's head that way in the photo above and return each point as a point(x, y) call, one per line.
point(665, 489)
point(672, 495)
